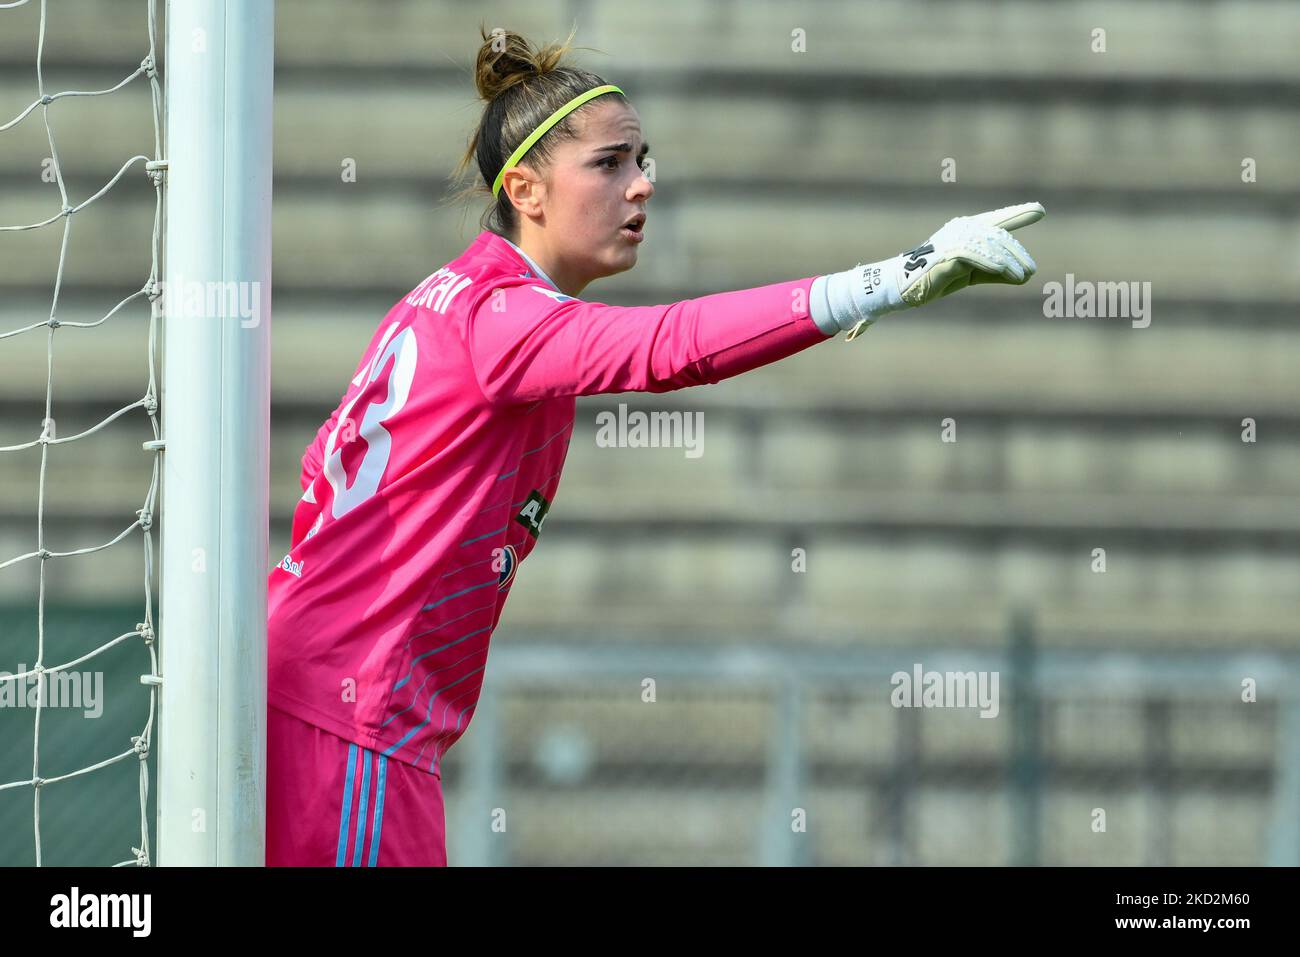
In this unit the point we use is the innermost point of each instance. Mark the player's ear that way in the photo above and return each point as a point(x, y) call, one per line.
point(525, 190)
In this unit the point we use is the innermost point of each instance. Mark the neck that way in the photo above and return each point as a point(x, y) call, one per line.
point(541, 258)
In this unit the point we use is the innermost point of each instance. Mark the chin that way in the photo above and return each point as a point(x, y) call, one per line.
point(622, 263)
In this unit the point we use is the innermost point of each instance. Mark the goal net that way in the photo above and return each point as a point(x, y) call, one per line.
point(134, 445)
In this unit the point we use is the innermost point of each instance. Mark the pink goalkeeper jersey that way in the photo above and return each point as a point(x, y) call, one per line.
point(430, 483)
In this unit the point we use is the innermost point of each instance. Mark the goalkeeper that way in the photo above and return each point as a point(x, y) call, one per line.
point(429, 485)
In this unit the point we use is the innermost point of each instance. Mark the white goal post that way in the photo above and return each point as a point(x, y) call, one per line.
point(216, 430)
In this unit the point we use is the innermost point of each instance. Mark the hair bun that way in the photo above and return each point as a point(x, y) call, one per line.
point(506, 59)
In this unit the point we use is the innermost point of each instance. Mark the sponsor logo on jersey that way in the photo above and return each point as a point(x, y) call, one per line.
point(533, 513)
point(509, 562)
point(292, 567)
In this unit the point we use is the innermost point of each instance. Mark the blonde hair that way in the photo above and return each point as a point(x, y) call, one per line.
point(521, 87)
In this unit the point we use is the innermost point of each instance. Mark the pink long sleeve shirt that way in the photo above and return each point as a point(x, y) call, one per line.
point(430, 483)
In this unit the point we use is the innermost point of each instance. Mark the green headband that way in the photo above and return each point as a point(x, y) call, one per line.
point(551, 120)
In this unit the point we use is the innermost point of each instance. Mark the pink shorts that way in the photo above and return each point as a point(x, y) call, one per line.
point(332, 803)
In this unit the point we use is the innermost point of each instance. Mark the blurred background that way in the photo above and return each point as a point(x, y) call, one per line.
point(828, 536)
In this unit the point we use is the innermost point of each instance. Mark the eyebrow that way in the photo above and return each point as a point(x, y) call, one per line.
point(624, 148)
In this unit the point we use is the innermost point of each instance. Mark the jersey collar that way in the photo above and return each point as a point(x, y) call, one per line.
point(528, 259)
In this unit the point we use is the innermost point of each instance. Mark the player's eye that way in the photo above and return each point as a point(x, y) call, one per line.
point(611, 158)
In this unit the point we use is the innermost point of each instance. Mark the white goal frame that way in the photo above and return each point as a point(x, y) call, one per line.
point(216, 432)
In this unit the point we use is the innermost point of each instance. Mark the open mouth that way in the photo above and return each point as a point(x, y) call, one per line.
point(633, 227)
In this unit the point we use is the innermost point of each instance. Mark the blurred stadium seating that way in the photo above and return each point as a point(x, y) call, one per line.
point(1121, 690)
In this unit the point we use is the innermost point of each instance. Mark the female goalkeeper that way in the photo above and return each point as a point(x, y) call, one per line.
point(430, 483)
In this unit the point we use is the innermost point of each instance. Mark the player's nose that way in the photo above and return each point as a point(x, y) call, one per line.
point(641, 187)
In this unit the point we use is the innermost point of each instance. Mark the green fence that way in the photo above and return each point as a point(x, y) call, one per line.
point(93, 818)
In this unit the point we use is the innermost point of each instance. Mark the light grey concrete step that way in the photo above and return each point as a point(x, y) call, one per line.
point(1160, 150)
point(1230, 40)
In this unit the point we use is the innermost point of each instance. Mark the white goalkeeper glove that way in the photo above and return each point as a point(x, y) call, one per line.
point(967, 251)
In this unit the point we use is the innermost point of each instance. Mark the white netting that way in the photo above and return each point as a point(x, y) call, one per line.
point(42, 673)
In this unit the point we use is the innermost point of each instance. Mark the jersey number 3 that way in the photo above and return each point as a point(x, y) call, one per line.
point(379, 443)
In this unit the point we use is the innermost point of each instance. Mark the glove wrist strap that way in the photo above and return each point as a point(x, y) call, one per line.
point(855, 298)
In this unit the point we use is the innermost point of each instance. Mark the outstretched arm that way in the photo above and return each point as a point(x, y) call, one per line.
point(529, 343)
